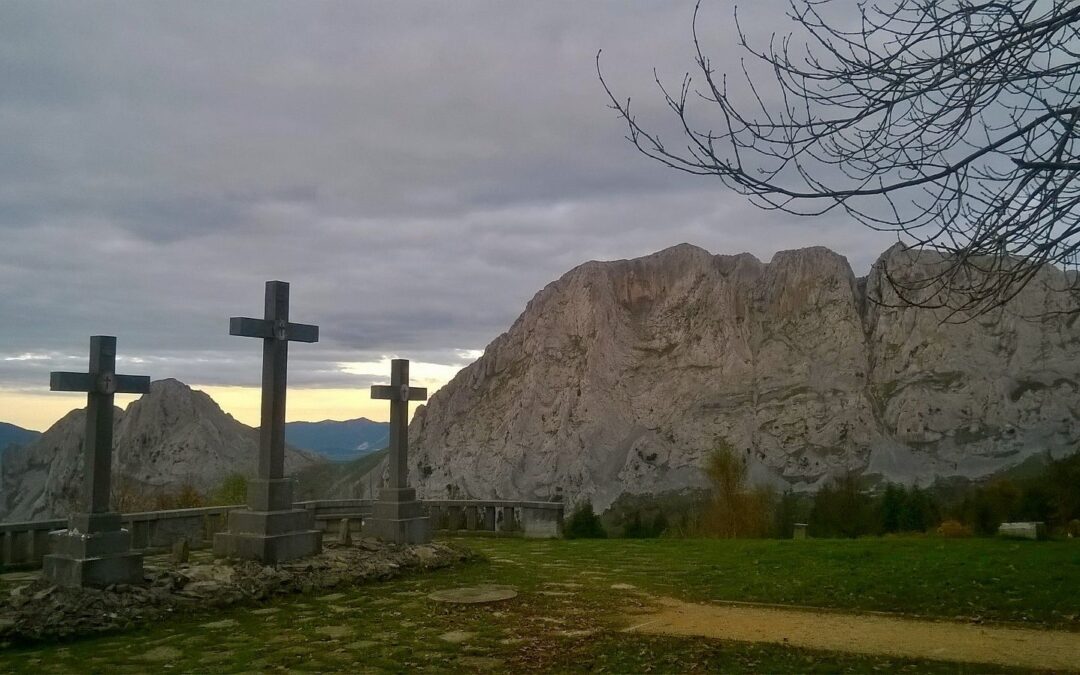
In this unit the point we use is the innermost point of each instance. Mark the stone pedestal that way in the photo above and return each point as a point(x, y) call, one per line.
point(1023, 530)
point(270, 530)
point(93, 551)
point(398, 518)
point(537, 523)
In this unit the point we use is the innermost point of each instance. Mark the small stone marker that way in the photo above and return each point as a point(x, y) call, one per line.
point(344, 533)
point(474, 595)
point(800, 531)
point(95, 550)
point(271, 530)
point(181, 551)
point(1030, 530)
point(397, 516)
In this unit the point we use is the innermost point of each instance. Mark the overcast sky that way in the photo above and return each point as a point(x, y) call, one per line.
point(416, 171)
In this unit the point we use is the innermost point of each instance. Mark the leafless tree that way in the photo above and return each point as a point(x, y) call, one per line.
point(950, 122)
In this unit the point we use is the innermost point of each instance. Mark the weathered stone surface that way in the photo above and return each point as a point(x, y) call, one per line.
point(473, 595)
point(39, 610)
point(397, 516)
point(344, 532)
point(171, 436)
point(621, 376)
point(181, 551)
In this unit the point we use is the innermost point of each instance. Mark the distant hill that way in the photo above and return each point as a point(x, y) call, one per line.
point(171, 436)
point(339, 440)
point(356, 479)
point(13, 435)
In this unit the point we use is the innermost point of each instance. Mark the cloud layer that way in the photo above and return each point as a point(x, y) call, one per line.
point(417, 171)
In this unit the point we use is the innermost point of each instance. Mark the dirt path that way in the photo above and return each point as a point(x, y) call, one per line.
point(866, 634)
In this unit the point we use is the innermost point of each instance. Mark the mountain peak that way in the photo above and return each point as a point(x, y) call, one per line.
point(171, 436)
point(622, 376)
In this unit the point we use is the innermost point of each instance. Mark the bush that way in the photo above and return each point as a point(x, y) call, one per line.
point(735, 509)
point(842, 509)
point(233, 490)
point(954, 529)
point(584, 523)
point(186, 497)
point(638, 527)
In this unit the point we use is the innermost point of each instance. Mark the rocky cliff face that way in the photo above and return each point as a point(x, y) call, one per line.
point(621, 376)
point(172, 436)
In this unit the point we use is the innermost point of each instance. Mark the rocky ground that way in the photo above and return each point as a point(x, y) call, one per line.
point(33, 609)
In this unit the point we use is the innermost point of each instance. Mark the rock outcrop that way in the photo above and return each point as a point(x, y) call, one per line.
point(172, 436)
point(621, 376)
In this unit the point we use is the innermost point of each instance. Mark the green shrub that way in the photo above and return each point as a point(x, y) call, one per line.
point(735, 509)
point(233, 490)
point(842, 509)
point(584, 523)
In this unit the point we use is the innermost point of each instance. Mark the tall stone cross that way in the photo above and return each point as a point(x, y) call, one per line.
point(399, 393)
point(100, 384)
point(276, 333)
point(271, 529)
point(397, 516)
point(95, 550)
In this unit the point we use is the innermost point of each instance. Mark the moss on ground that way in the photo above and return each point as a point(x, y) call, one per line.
point(573, 600)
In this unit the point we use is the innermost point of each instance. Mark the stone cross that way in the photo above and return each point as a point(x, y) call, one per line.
point(95, 550)
point(276, 333)
point(399, 393)
point(397, 516)
point(271, 530)
point(100, 384)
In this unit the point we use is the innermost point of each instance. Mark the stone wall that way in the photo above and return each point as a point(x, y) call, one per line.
point(25, 544)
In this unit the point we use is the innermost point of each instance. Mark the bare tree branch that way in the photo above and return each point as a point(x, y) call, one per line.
point(952, 123)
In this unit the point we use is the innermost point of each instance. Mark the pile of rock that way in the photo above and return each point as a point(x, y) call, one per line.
point(42, 611)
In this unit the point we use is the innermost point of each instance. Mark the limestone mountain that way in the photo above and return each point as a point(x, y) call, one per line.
point(621, 376)
point(172, 436)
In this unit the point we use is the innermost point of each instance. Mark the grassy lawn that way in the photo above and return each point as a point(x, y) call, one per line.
point(574, 598)
point(991, 579)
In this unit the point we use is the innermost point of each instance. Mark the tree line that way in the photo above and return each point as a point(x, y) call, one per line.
point(844, 506)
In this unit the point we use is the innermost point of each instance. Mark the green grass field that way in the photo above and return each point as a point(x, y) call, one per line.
point(568, 617)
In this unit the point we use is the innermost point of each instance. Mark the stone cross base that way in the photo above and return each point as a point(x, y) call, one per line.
point(270, 530)
point(94, 551)
point(398, 518)
point(268, 549)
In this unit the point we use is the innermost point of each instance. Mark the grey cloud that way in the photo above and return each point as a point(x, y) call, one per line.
point(416, 170)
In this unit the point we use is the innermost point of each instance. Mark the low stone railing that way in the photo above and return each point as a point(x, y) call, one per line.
point(328, 513)
point(531, 519)
point(25, 544)
point(152, 530)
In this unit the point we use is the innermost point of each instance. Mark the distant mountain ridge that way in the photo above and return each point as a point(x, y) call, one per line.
point(339, 440)
point(172, 436)
point(15, 435)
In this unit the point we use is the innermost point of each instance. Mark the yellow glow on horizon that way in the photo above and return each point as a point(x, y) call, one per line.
point(309, 405)
point(40, 410)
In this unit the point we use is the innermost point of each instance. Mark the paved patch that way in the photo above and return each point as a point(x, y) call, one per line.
point(873, 634)
point(474, 594)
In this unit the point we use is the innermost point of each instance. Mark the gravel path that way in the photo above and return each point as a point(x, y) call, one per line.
point(866, 634)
